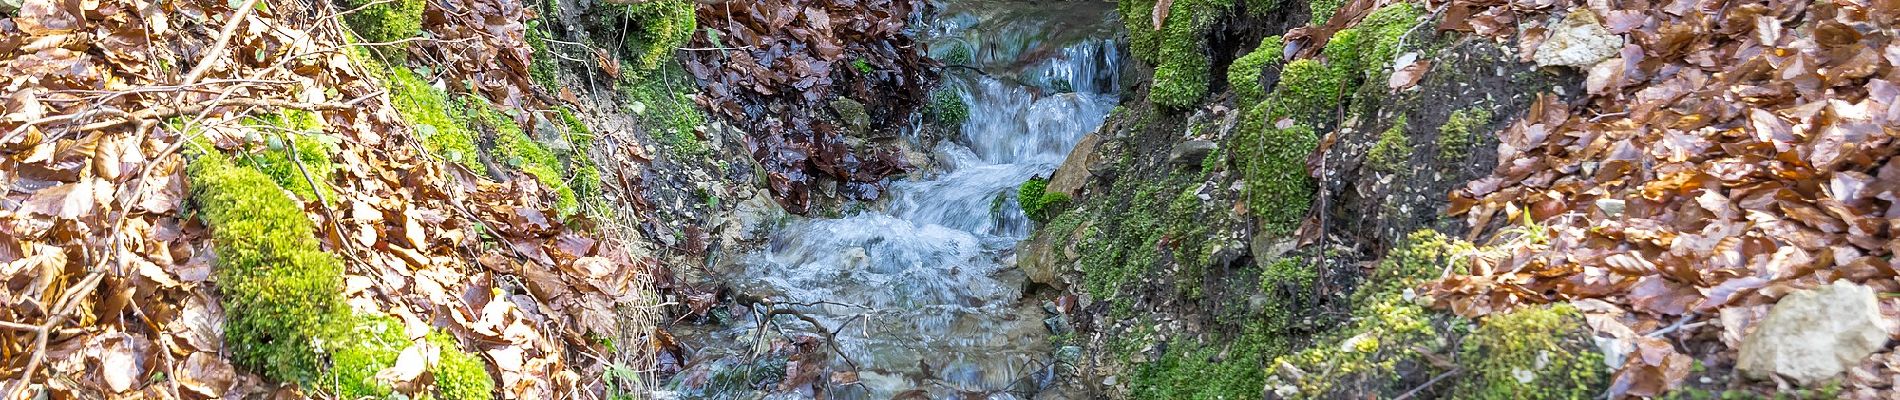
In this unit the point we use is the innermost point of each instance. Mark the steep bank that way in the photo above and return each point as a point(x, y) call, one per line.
point(1269, 212)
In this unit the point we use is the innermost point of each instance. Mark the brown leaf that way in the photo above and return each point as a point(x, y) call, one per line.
point(1162, 7)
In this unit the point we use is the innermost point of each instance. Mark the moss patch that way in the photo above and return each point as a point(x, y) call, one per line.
point(1178, 49)
point(458, 374)
point(1392, 150)
point(1459, 133)
point(1037, 203)
point(651, 30)
point(294, 137)
point(1244, 76)
point(662, 100)
point(1532, 353)
point(947, 108)
point(516, 149)
point(427, 107)
point(387, 21)
point(280, 289)
point(375, 342)
point(1272, 164)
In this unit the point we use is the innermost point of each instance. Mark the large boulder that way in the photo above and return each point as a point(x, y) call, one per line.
point(1813, 335)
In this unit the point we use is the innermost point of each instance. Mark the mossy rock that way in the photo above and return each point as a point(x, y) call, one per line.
point(295, 145)
point(516, 149)
point(1272, 164)
point(378, 341)
point(947, 108)
point(1245, 74)
point(443, 133)
point(1460, 132)
point(1392, 151)
point(1037, 203)
point(1537, 352)
point(281, 291)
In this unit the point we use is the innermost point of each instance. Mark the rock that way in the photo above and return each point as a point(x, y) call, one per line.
point(1815, 334)
point(1579, 41)
point(1074, 172)
point(851, 113)
point(1191, 152)
point(1058, 325)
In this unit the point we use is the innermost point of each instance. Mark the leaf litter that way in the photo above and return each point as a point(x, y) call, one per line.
point(1727, 154)
point(109, 288)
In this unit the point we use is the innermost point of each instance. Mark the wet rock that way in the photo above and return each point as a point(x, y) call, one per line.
point(851, 113)
point(1579, 41)
point(1815, 334)
point(1191, 152)
point(1074, 172)
point(1058, 325)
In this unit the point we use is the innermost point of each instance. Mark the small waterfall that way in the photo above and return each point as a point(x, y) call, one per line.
point(933, 263)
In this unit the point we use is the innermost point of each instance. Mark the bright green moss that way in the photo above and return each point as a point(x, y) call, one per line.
point(662, 100)
point(280, 289)
point(1189, 370)
point(374, 344)
point(1392, 150)
point(1362, 53)
point(1459, 133)
point(1040, 205)
point(516, 149)
point(1308, 93)
point(427, 107)
point(296, 132)
point(652, 29)
point(387, 21)
point(1323, 10)
point(1272, 164)
point(947, 108)
point(1541, 352)
point(458, 374)
point(1181, 72)
point(1244, 76)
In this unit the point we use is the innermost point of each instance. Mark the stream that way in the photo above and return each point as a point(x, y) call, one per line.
point(919, 293)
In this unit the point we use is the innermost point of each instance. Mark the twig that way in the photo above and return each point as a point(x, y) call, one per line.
point(167, 112)
point(1428, 384)
point(1680, 323)
point(211, 56)
point(62, 311)
point(349, 249)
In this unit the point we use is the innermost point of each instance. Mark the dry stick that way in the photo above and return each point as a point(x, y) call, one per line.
point(1428, 384)
point(217, 47)
point(62, 311)
point(167, 112)
point(349, 249)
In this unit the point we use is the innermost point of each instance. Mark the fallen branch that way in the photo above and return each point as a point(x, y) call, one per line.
point(1428, 384)
point(212, 55)
point(168, 112)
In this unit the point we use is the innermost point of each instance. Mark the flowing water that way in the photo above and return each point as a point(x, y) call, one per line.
point(920, 290)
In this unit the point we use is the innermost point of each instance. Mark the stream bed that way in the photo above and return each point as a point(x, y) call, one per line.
point(917, 297)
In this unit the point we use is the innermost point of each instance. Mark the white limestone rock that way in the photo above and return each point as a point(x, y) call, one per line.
point(1813, 335)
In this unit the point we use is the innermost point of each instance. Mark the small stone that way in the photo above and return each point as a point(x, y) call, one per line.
point(1058, 325)
point(1611, 207)
point(1813, 335)
point(1579, 41)
point(1191, 152)
point(1109, 381)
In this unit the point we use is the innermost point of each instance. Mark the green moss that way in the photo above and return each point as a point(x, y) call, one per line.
point(1542, 352)
point(650, 30)
point(301, 133)
point(443, 133)
point(1323, 10)
point(1459, 133)
point(1272, 164)
point(1244, 75)
point(280, 289)
point(1308, 93)
point(387, 21)
point(544, 66)
point(458, 374)
point(1189, 370)
point(1040, 205)
point(375, 343)
point(662, 100)
point(516, 149)
point(1392, 150)
point(1178, 49)
point(947, 108)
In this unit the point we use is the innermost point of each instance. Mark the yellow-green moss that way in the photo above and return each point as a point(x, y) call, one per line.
point(1178, 50)
point(544, 65)
point(514, 148)
point(1392, 150)
point(373, 345)
point(281, 291)
point(1272, 164)
point(1459, 133)
point(387, 21)
point(1189, 370)
point(458, 374)
point(1541, 352)
point(299, 132)
point(1323, 10)
point(378, 341)
point(662, 100)
point(1244, 76)
point(1385, 333)
point(650, 30)
point(442, 132)
point(1308, 93)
